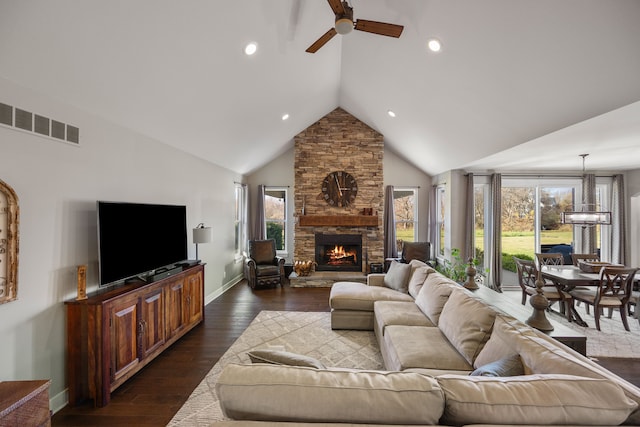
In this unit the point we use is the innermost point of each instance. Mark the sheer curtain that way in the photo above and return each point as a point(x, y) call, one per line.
point(432, 222)
point(618, 223)
point(390, 247)
point(469, 238)
point(589, 202)
point(494, 251)
point(258, 231)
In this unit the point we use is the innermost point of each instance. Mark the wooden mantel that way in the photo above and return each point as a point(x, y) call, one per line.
point(338, 221)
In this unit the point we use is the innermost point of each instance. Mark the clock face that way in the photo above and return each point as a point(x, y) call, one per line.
point(339, 189)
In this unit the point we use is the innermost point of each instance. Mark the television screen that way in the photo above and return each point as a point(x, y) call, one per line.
point(135, 238)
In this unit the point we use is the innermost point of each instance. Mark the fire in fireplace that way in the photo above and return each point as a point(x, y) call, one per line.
point(338, 252)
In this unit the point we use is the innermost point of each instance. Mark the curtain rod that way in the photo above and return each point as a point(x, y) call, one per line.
point(535, 175)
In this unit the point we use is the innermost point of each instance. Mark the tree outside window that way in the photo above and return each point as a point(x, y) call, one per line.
point(275, 212)
point(405, 207)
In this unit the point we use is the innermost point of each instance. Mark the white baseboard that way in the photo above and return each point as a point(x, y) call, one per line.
point(230, 284)
point(59, 401)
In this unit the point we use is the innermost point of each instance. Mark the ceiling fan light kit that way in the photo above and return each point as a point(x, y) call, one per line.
point(344, 24)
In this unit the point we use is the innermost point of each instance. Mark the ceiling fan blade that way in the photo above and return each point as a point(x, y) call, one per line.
point(322, 41)
point(382, 28)
point(337, 7)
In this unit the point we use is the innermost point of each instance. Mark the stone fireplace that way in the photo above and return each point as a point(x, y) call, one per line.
point(338, 252)
point(339, 142)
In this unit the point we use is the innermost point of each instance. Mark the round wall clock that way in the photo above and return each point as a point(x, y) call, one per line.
point(339, 189)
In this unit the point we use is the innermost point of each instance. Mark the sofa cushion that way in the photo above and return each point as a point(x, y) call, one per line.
point(358, 296)
point(397, 313)
point(417, 278)
point(407, 347)
point(467, 324)
point(291, 393)
point(397, 277)
point(550, 400)
point(281, 357)
point(434, 295)
point(509, 366)
point(542, 354)
point(496, 347)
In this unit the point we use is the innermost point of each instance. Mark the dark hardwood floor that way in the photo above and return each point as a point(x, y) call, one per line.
point(155, 394)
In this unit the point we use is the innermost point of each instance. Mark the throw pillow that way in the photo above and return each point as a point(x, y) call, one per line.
point(279, 357)
point(509, 366)
point(397, 276)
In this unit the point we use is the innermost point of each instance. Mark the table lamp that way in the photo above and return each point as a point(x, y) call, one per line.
point(201, 234)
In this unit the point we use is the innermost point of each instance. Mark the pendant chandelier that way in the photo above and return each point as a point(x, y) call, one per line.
point(585, 217)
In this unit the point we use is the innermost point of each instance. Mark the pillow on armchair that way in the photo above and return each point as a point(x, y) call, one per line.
point(416, 250)
point(262, 251)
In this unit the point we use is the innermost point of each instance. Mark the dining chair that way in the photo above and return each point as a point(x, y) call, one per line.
point(550, 258)
point(527, 275)
point(576, 258)
point(613, 291)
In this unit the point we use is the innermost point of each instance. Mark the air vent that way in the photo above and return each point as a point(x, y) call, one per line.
point(6, 114)
point(23, 120)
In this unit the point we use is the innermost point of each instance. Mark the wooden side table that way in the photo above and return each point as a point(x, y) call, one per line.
point(24, 403)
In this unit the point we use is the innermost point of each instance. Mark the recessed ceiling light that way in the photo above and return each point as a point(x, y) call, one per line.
point(251, 48)
point(391, 113)
point(285, 116)
point(434, 45)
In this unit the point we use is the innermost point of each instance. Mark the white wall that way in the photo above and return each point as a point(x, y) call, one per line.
point(632, 185)
point(57, 185)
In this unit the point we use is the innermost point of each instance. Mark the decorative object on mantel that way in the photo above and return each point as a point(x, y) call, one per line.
point(304, 268)
point(81, 275)
point(9, 242)
point(339, 189)
point(471, 276)
point(540, 303)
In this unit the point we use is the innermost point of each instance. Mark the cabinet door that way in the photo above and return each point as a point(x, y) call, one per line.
point(194, 291)
point(175, 307)
point(124, 317)
point(152, 320)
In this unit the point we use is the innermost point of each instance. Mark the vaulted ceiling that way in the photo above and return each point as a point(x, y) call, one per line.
point(518, 84)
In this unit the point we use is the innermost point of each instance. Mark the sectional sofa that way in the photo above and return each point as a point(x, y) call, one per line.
point(450, 358)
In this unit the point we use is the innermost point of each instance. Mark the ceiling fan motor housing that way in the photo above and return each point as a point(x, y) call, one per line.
point(344, 22)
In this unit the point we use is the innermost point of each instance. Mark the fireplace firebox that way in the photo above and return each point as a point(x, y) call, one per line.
point(338, 252)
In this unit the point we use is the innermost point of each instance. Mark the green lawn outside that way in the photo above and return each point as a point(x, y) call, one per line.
point(523, 242)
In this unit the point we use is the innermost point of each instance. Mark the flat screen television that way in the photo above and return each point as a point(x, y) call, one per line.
point(136, 238)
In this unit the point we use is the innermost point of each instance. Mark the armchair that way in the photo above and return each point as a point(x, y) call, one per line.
point(263, 268)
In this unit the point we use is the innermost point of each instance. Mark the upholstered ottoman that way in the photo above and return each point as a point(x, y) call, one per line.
point(352, 304)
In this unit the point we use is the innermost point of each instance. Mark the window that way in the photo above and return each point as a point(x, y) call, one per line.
point(275, 213)
point(440, 215)
point(405, 208)
point(480, 204)
point(240, 220)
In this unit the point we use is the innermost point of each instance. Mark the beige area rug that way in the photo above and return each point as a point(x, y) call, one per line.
point(310, 333)
point(306, 333)
point(611, 341)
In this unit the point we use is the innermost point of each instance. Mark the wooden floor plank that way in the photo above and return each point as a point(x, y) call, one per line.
point(154, 395)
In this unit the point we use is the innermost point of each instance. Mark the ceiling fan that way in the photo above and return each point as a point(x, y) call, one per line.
point(344, 25)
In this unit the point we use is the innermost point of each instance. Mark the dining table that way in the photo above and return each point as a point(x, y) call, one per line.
point(567, 277)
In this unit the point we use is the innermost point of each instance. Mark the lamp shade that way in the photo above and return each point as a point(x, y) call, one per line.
point(201, 234)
